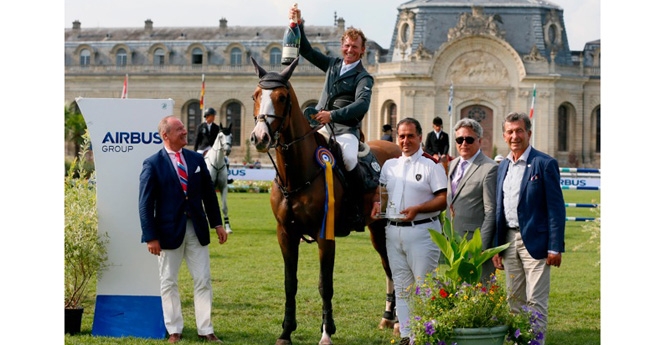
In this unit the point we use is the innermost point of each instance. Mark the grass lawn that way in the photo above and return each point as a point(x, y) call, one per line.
point(248, 286)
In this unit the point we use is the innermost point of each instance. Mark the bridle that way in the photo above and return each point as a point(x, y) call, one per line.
point(272, 81)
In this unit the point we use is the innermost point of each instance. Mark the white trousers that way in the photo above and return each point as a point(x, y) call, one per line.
point(412, 254)
point(349, 147)
point(199, 266)
point(527, 279)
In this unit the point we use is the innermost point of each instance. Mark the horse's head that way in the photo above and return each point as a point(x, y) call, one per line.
point(226, 141)
point(272, 105)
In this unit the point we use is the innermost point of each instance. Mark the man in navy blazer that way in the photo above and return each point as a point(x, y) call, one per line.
point(175, 225)
point(531, 215)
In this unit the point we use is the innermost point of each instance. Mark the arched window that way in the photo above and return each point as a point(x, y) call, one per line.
point(275, 56)
point(85, 57)
point(236, 57)
point(194, 119)
point(197, 57)
point(391, 115)
point(234, 118)
point(562, 129)
point(122, 58)
point(159, 57)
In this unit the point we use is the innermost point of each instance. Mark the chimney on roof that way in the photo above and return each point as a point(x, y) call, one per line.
point(340, 24)
point(148, 26)
point(223, 25)
point(76, 26)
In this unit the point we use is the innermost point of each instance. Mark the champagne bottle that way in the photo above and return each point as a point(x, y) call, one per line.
point(291, 41)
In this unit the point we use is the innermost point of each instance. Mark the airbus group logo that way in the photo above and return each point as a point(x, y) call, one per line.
point(125, 141)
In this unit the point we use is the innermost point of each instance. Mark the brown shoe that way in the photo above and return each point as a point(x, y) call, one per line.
point(174, 338)
point(210, 337)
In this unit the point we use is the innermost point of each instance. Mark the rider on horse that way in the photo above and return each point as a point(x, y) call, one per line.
point(343, 103)
point(206, 133)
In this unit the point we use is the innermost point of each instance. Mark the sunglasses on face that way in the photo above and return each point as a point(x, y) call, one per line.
point(469, 140)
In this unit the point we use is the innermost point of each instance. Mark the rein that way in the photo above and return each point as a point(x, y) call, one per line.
point(284, 147)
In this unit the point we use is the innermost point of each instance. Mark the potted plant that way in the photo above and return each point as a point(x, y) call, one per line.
point(455, 307)
point(85, 250)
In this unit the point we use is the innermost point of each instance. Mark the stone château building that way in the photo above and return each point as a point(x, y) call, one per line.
point(493, 52)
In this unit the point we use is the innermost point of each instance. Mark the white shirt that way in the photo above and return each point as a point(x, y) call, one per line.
point(345, 68)
point(511, 187)
point(413, 180)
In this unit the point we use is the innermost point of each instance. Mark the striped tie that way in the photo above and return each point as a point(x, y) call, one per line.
point(183, 174)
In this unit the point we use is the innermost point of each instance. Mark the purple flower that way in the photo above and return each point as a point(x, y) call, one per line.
point(517, 333)
point(429, 328)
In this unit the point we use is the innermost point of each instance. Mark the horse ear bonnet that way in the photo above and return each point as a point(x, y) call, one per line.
point(273, 80)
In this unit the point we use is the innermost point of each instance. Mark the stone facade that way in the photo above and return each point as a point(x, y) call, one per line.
point(493, 52)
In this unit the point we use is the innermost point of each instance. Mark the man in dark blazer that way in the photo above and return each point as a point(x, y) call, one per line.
point(343, 103)
point(437, 141)
point(207, 131)
point(175, 212)
point(531, 215)
point(472, 202)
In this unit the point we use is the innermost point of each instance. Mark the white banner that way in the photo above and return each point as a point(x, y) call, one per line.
point(240, 172)
point(123, 133)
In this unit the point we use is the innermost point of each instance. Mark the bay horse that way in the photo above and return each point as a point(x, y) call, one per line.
point(298, 194)
point(219, 168)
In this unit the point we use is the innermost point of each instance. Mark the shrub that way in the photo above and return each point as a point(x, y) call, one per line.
point(85, 250)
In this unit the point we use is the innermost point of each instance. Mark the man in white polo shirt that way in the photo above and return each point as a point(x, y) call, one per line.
point(417, 188)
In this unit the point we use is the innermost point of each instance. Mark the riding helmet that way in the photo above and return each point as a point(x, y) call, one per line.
point(209, 111)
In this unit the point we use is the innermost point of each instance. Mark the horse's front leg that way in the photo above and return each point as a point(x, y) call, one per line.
point(225, 209)
point(290, 251)
point(326, 288)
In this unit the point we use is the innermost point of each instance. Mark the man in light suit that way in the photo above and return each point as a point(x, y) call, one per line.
point(531, 215)
point(472, 203)
point(175, 212)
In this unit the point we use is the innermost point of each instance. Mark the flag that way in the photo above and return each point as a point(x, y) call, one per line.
point(531, 111)
point(124, 91)
point(201, 96)
point(451, 98)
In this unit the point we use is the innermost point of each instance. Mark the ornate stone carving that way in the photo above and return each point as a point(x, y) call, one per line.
point(552, 31)
point(422, 53)
point(478, 67)
point(406, 28)
point(534, 56)
point(476, 24)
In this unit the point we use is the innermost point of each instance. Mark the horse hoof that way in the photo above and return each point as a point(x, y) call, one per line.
point(396, 332)
point(283, 342)
point(228, 230)
point(325, 342)
point(385, 323)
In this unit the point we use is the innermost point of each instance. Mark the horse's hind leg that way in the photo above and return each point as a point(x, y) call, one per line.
point(326, 288)
point(389, 315)
point(377, 235)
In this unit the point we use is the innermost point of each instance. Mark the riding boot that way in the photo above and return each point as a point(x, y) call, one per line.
point(354, 193)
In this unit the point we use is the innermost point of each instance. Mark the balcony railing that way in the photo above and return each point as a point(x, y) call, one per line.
point(305, 68)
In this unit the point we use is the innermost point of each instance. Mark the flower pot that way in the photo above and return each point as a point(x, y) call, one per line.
point(72, 320)
point(479, 336)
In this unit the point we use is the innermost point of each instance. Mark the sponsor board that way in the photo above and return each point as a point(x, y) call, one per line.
point(123, 133)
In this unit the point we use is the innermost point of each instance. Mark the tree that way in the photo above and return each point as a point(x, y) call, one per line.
point(74, 126)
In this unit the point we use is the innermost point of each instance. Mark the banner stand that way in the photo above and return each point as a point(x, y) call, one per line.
point(123, 133)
